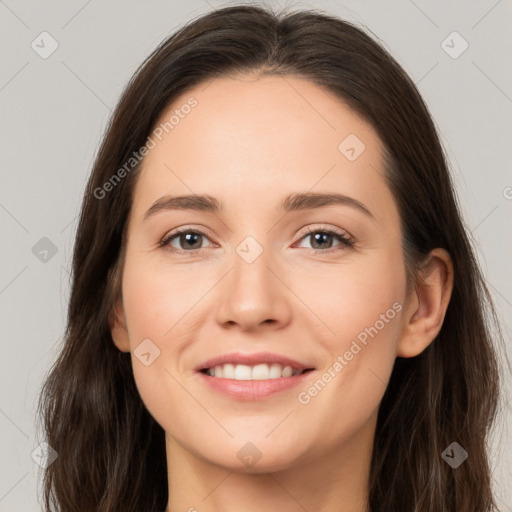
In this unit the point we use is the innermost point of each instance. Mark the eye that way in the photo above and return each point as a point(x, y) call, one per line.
point(321, 239)
point(187, 238)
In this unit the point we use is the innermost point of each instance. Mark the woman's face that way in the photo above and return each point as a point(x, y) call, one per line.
point(258, 284)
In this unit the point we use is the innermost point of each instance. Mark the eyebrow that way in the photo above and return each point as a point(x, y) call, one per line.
point(291, 203)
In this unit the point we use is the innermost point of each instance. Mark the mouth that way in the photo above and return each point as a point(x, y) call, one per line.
point(263, 371)
point(249, 377)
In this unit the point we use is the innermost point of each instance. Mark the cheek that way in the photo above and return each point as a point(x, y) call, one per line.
point(157, 299)
point(154, 306)
point(361, 300)
point(360, 307)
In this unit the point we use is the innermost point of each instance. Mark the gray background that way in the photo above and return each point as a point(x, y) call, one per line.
point(54, 111)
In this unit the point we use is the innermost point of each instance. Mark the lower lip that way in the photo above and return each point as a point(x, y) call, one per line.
point(253, 389)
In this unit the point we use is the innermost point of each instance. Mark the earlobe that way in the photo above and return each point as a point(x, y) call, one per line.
point(118, 329)
point(425, 314)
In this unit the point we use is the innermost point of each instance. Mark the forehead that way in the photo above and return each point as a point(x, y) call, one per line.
point(249, 139)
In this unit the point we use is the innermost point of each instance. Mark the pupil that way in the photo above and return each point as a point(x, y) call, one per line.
point(189, 237)
point(319, 237)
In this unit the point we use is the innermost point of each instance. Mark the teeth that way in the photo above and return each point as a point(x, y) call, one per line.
point(242, 372)
point(258, 372)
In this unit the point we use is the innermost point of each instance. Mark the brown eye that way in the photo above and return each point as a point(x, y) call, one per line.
point(188, 241)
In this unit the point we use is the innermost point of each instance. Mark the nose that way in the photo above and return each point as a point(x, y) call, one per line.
point(253, 296)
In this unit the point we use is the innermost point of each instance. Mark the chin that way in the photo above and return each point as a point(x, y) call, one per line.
point(254, 457)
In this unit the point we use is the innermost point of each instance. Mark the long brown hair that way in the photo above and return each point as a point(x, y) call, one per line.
point(111, 452)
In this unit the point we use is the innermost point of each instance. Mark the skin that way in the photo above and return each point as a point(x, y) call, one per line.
point(267, 137)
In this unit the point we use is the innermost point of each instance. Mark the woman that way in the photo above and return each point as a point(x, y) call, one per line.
point(274, 305)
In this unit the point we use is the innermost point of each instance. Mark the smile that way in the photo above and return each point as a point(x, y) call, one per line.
point(264, 371)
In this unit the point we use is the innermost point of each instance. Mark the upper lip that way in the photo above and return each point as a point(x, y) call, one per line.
point(252, 360)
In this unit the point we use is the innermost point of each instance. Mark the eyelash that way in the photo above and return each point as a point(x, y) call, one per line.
point(345, 240)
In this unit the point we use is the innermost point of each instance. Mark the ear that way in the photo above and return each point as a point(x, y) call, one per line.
point(118, 330)
point(427, 306)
